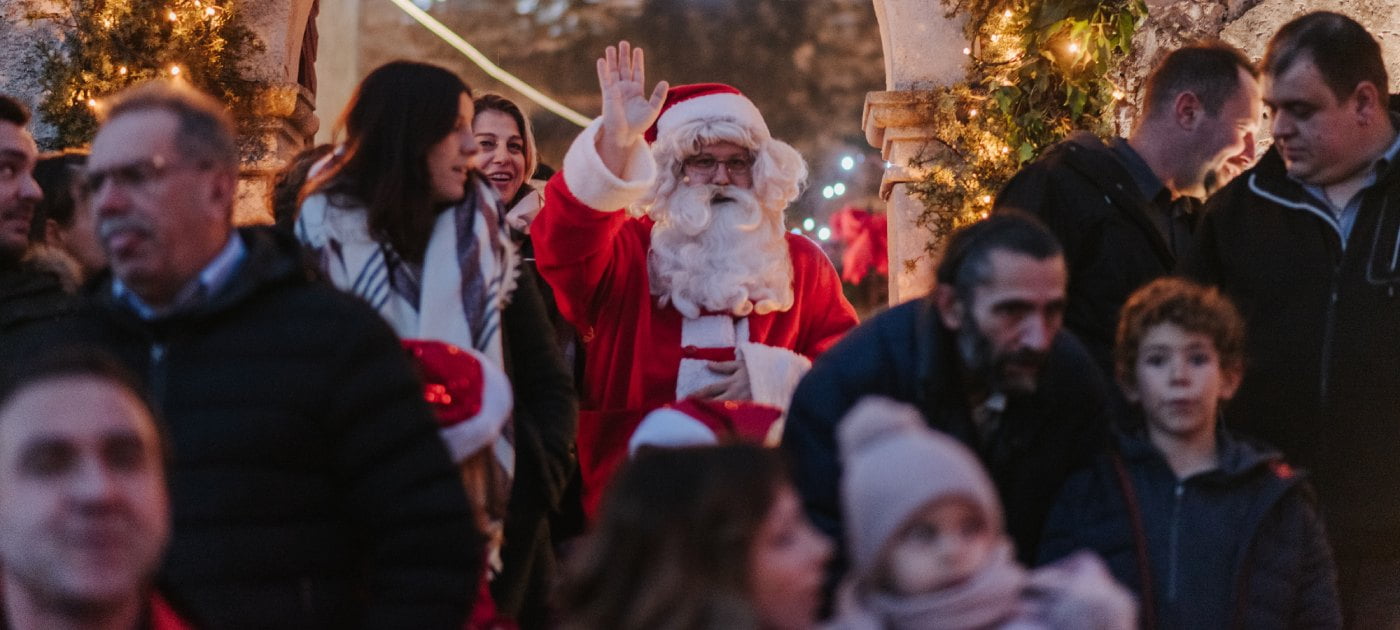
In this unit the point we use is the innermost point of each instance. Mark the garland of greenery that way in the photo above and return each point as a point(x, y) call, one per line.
point(106, 45)
point(1039, 69)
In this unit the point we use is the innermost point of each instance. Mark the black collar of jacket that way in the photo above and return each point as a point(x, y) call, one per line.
point(1240, 458)
point(273, 258)
point(1095, 161)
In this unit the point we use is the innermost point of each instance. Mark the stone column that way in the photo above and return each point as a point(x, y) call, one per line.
point(923, 52)
point(285, 111)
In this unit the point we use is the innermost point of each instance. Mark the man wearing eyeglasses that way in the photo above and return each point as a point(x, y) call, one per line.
point(308, 485)
point(697, 290)
point(29, 293)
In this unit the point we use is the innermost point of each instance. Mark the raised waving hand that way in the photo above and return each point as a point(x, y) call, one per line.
point(627, 111)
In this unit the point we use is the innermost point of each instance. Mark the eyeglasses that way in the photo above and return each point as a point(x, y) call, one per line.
point(707, 165)
point(134, 176)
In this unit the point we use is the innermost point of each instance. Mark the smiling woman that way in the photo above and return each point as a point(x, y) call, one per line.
point(508, 156)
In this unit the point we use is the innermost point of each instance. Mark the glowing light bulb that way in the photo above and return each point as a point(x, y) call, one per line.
point(972, 113)
point(122, 70)
point(967, 51)
point(175, 71)
point(839, 189)
point(828, 192)
point(824, 234)
point(1118, 95)
point(809, 224)
point(1007, 15)
point(986, 198)
point(92, 103)
point(1074, 48)
point(209, 11)
point(848, 163)
point(171, 16)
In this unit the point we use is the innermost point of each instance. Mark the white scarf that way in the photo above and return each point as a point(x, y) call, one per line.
point(441, 300)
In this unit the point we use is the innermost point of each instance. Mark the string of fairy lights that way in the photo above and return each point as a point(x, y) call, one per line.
point(1036, 72)
point(100, 48)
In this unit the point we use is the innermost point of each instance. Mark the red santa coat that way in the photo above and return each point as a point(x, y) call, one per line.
point(596, 262)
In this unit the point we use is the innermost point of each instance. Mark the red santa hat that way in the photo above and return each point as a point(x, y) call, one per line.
point(695, 422)
point(470, 396)
point(706, 101)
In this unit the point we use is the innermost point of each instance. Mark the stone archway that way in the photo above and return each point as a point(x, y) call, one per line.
point(922, 49)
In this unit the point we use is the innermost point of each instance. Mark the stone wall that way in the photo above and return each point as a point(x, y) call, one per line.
point(1248, 24)
point(19, 76)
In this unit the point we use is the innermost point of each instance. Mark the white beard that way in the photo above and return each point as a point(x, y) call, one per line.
point(728, 256)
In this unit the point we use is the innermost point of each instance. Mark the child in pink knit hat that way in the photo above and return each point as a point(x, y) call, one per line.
point(928, 546)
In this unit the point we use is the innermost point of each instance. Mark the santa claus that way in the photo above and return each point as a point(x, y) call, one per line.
point(696, 289)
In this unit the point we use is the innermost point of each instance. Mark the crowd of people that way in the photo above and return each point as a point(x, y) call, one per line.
point(1155, 388)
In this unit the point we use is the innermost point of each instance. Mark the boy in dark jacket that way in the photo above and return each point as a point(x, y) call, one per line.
point(1209, 530)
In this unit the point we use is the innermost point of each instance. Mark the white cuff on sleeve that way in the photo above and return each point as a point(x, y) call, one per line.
point(591, 182)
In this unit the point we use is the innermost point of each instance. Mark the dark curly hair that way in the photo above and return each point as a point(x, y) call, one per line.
point(1190, 306)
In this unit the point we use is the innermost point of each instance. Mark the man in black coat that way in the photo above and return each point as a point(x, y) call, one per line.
point(984, 360)
point(28, 293)
point(1124, 211)
point(1306, 244)
point(309, 487)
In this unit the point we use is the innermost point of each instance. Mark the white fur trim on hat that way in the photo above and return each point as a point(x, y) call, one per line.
point(466, 438)
point(591, 182)
point(670, 428)
point(716, 105)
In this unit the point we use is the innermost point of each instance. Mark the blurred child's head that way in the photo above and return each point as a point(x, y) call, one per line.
point(714, 536)
point(1180, 352)
point(921, 513)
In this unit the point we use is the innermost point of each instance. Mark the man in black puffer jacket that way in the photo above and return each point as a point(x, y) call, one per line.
point(309, 486)
point(1125, 211)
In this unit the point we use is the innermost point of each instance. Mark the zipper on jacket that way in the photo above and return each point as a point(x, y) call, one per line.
point(156, 374)
point(1174, 540)
point(1324, 373)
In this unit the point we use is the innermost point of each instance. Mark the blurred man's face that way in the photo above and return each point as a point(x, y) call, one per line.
point(1322, 139)
point(19, 193)
point(84, 515)
point(161, 216)
point(1005, 331)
